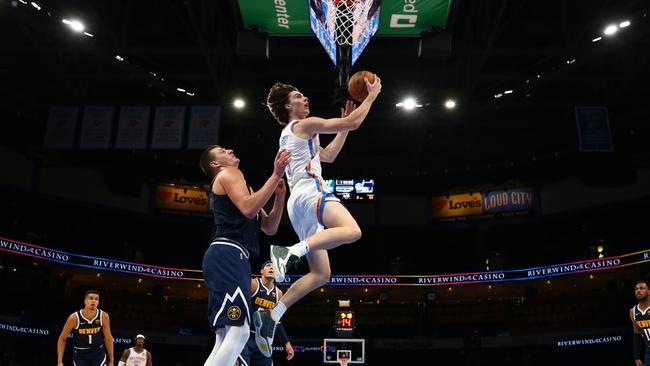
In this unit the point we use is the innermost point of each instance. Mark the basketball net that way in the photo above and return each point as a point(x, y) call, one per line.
point(350, 19)
point(343, 361)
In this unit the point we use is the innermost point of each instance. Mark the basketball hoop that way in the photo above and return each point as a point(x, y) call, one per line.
point(343, 357)
point(350, 19)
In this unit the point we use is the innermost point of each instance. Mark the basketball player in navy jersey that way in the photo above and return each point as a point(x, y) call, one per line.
point(318, 218)
point(238, 218)
point(136, 355)
point(640, 317)
point(91, 335)
point(265, 295)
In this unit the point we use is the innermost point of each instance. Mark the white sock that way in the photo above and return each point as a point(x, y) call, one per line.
point(233, 343)
point(278, 311)
point(299, 249)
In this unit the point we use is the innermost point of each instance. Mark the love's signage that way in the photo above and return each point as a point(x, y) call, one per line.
point(485, 203)
point(181, 198)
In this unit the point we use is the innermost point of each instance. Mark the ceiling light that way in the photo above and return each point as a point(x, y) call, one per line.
point(450, 104)
point(76, 25)
point(610, 30)
point(239, 103)
point(409, 104)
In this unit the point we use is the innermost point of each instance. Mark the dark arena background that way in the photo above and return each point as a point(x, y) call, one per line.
point(501, 180)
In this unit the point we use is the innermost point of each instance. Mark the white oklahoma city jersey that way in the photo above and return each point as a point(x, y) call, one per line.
point(306, 202)
point(136, 359)
point(305, 158)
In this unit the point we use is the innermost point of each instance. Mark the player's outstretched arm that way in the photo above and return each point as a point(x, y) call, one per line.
point(313, 125)
point(232, 181)
point(271, 221)
point(328, 154)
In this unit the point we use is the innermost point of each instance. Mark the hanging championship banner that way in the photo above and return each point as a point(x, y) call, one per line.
point(61, 126)
point(133, 129)
point(204, 127)
point(168, 128)
point(96, 127)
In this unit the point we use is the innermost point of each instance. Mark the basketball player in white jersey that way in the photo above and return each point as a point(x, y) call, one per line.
point(318, 218)
point(136, 355)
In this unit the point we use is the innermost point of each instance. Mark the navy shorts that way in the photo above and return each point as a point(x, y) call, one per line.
point(89, 358)
point(227, 274)
point(252, 356)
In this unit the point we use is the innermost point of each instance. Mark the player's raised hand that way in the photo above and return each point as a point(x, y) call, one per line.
point(281, 161)
point(349, 107)
point(375, 88)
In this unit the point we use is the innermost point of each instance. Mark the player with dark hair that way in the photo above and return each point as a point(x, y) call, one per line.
point(318, 218)
point(641, 323)
point(91, 335)
point(238, 218)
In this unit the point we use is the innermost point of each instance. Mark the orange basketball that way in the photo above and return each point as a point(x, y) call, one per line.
point(357, 86)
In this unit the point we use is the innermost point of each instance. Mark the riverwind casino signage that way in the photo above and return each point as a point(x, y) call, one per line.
point(510, 202)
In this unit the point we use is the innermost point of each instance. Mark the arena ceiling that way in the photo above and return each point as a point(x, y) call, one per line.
point(543, 51)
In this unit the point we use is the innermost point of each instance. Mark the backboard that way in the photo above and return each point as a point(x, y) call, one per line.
point(335, 348)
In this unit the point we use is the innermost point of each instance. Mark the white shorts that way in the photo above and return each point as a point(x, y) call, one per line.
point(305, 207)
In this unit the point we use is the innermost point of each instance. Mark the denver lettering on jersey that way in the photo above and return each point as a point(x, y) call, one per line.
point(643, 324)
point(89, 330)
point(264, 303)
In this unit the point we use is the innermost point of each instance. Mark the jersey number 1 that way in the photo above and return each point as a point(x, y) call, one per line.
point(90, 339)
point(646, 333)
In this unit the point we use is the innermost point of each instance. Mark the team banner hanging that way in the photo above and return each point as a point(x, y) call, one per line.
point(397, 17)
point(96, 127)
point(133, 128)
point(204, 127)
point(591, 265)
point(61, 126)
point(168, 128)
point(593, 129)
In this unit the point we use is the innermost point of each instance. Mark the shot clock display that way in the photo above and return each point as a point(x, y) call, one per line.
point(345, 319)
point(344, 325)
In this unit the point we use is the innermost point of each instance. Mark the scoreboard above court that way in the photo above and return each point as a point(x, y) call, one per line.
point(397, 18)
